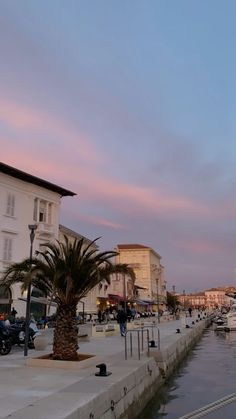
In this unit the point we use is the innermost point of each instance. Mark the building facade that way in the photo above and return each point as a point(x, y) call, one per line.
point(197, 300)
point(216, 298)
point(149, 273)
point(24, 200)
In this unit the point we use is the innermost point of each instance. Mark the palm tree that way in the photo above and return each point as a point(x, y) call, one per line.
point(65, 272)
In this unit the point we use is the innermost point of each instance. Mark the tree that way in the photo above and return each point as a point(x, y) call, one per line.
point(172, 301)
point(65, 272)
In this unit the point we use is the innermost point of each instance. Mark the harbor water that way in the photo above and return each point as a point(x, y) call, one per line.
point(207, 375)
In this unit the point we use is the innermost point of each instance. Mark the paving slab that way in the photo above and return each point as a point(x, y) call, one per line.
point(23, 387)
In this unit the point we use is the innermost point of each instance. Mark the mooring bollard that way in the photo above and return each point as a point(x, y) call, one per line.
point(103, 371)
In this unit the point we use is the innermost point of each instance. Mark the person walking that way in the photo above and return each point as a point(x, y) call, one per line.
point(122, 319)
point(190, 311)
point(99, 316)
point(13, 312)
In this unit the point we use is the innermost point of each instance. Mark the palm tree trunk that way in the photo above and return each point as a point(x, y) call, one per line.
point(65, 340)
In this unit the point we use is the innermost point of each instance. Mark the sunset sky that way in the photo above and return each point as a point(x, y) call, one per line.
point(131, 104)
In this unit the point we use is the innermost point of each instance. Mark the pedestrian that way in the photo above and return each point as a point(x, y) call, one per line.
point(133, 312)
point(190, 311)
point(13, 312)
point(122, 319)
point(129, 314)
point(99, 316)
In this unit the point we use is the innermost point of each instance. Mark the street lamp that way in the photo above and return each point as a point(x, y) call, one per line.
point(32, 228)
point(124, 292)
point(158, 307)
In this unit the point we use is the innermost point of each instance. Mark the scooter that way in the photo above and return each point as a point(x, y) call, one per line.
point(17, 334)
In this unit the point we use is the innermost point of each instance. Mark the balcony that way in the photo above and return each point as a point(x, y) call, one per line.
point(45, 230)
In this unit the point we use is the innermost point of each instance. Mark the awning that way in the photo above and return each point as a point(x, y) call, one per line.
point(141, 302)
point(115, 297)
point(39, 300)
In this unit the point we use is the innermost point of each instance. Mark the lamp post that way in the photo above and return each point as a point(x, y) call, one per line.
point(158, 307)
point(32, 228)
point(124, 292)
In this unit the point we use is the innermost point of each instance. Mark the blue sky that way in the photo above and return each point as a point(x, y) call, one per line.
point(130, 104)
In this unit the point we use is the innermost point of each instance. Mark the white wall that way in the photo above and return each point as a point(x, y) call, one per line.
point(16, 227)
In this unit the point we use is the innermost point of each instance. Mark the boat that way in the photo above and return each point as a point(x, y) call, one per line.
point(226, 322)
point(219, 321)
point(231, 319)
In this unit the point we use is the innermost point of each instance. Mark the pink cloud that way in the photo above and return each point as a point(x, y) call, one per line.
point(91, 184)
point(25, 119)
point(103, 222)
point(136, 198)
point(199, 246)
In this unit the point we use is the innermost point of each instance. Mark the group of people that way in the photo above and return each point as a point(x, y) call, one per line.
point(7, 318)
point(105, 316)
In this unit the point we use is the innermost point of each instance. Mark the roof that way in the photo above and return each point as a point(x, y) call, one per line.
point(72, 233)
point(215, 289)
point(132, 246)
point(26, 177)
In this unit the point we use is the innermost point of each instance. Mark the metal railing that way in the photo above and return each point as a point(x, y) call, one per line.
point(140, 333)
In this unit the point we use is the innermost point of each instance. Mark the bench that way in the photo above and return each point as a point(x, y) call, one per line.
point(83, 337)
point(98, 330)
point(110, 330)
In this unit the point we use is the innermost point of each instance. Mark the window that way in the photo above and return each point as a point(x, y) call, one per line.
point(10, 210)
point(7, 249)
point(116, 286)
point(35, 209)
point(5, 299)
point(43, 211)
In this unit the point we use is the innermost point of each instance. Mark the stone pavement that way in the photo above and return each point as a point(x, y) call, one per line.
point(21, 386)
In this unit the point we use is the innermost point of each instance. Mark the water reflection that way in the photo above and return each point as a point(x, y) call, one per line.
point(208, 374)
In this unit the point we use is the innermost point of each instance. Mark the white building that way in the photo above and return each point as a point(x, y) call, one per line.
point(24, 200)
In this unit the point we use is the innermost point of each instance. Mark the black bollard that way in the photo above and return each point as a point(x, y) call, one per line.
point(152, 344)
point(103, 371)
point(177, 330)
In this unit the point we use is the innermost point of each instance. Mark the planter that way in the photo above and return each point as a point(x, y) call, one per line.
point(40, 342)
point(46, 361)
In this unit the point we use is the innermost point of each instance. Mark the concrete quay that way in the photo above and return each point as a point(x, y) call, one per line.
point(29, 390)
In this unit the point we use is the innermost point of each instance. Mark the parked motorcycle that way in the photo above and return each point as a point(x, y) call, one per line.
point(5, 341)
point(17, 334)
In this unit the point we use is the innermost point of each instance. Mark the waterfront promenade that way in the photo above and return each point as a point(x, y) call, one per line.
point(30, 392)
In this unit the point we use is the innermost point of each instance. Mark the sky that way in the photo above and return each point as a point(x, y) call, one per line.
point(131, 105)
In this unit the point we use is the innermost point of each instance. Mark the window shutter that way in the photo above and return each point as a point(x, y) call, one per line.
point(7, 249)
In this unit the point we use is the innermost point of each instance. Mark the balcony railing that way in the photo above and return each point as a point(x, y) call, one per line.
point(45, 229)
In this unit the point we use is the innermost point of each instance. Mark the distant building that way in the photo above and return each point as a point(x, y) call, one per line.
point(217, 297)
point(196, 300)
point(149, 272)
point(212, 298)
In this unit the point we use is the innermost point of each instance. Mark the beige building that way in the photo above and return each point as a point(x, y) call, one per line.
point(192, 300)
point(216, 297)
point(212, 298)
point(149, 273)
